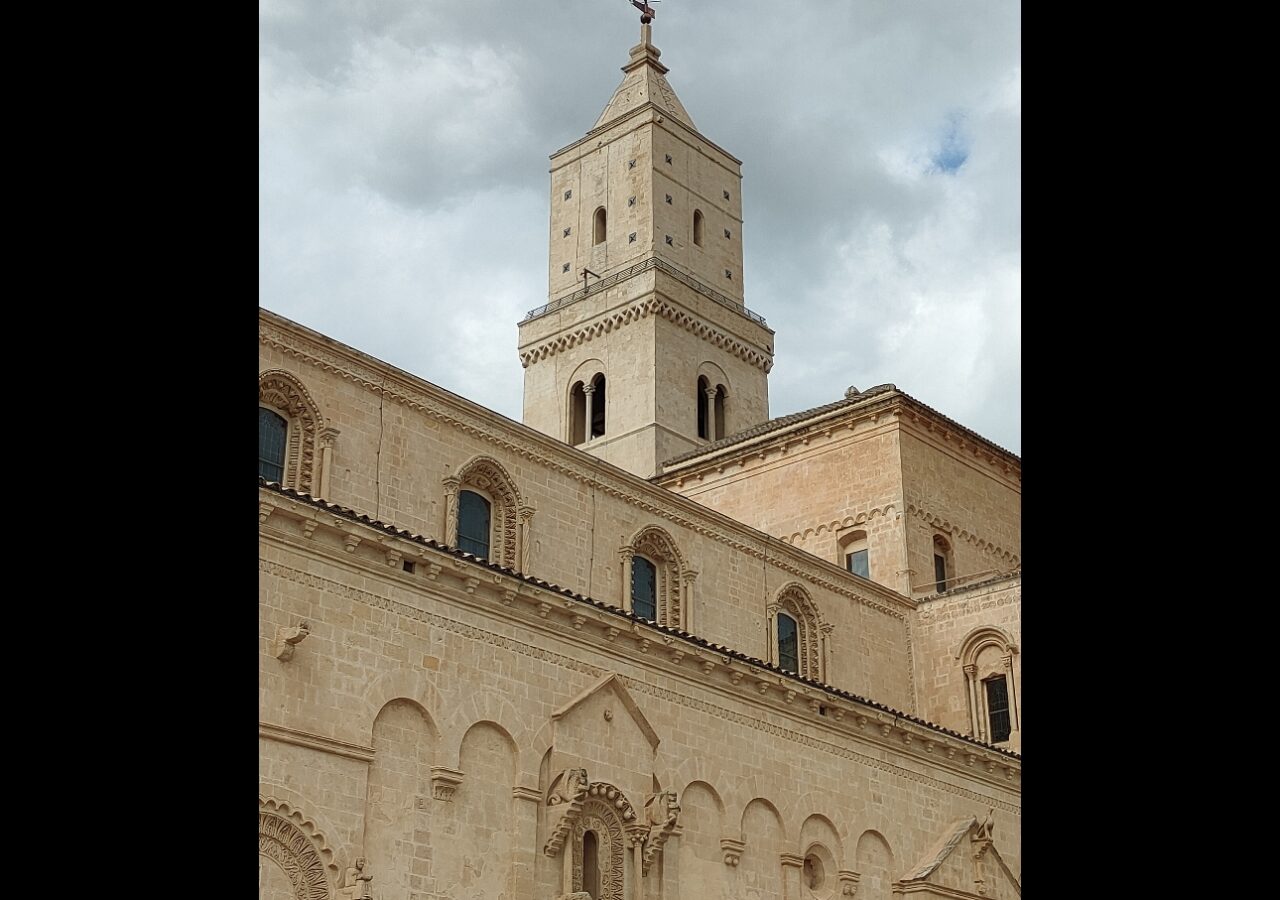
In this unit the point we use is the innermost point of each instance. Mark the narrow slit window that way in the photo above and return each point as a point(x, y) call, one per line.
point(597, 407)
point(577, 415)
point(697, 227)
point(272, 430)
point(644, 588)
point(704, 430)
point(788, 644)
point(474, 515)
point(602, 226)
point(719, 411)
point(998, 709)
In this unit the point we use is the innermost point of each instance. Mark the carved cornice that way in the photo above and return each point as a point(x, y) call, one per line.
point(863, 518)
point(963, 534)
point(297, 845)
point(519, 598)
point(401, 387)
point(634, 313)
point(300, 738)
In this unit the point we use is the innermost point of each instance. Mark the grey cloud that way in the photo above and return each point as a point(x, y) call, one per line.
point(404, 180)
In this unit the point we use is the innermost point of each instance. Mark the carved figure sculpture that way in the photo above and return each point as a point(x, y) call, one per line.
point(356, 882)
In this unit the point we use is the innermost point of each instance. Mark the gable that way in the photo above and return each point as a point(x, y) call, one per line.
point(608, 714)
point(961, 864)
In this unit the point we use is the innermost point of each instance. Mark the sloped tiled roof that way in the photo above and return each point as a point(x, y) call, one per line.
point(849, 401)
point(352, 515)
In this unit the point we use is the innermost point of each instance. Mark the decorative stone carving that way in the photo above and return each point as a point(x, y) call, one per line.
point(732, 850)
point(795, 601)
point(508, 512)
point(987, 827)
point(564, 805)
point(292, 843)
point(848, 882)
point(654, 544)
point(288, 637)
point(444, 781)
point(607, 813)
point(283, 392)
point(661, 812)
point(356, 882)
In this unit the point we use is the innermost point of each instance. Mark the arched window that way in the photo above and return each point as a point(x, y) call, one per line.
point(498, 529)
point(797, 634)
point(305, 458)
point(597, 406)
point(577, 415)
point(644, 588)
point(719, 411)
point(591, 865)
point(474, 515)
point(697, 227)
point(942, 567)
point(997, 691)
point(272, 429)
point(601, 226)
point(986, 658)
point(704, 419)
point(658, 584)
point(788, 643)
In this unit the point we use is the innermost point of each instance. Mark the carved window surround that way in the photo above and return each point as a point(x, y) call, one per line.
point(973, 644)
point(509, 538)
point(813, 632)
point(307, 434)
point(508, 596)
point(675, 578)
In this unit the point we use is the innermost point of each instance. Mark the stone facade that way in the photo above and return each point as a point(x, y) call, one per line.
point(435, 724)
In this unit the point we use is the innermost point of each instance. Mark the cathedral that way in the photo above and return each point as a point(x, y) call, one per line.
point(651, 643)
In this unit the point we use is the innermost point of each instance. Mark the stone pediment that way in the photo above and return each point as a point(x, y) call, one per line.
point(962, 863)
point(599, 694)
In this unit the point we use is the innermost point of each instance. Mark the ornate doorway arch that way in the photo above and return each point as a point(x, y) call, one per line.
point(292, 842)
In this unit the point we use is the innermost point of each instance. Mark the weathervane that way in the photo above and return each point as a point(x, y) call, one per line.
point(647, 12)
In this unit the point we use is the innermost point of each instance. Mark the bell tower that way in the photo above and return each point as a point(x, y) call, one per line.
point(645, 348)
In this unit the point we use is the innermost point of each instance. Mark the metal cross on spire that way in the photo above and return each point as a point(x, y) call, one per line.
point(647, 12)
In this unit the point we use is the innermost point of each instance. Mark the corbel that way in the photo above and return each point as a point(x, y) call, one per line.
point(444, 781)
point(287, 638)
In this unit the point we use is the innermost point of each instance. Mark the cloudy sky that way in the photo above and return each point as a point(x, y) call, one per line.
point(404, 187)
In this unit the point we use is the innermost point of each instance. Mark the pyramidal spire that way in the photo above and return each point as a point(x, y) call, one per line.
point(644, 82)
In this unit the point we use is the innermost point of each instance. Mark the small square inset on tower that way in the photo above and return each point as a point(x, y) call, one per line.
point(726, 195)
point(727, 234)
point(632, 164)
point(631, 238)
point(567, 230)
point(669, 240)
point(728, 274)
point(668, 157)
point(565, 268)
point(668, 198)
point(631, 201)
point(568, 194)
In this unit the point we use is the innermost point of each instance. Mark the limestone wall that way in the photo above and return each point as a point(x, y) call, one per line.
point(400, 440)
point(424, 721)
point(984, 619)
point(976, 509)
